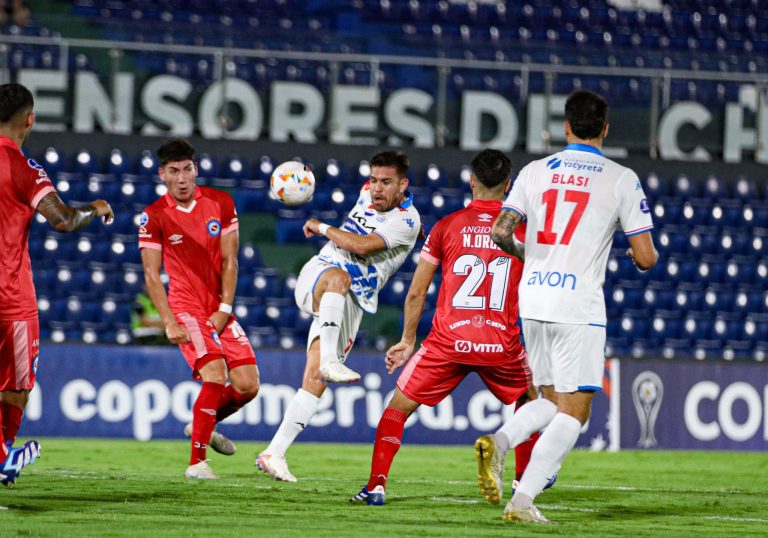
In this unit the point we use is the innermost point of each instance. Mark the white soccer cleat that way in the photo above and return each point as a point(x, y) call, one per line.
point(526, 515)
point(219, 442)
point(275, 466)
point(490, 469)
point(336, 372)
point(200, 470)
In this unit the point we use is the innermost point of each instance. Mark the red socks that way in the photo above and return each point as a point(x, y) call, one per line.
point(389, 435)
point(204, 419)
point(231, 401)
point(11, 420)
point(523, 454)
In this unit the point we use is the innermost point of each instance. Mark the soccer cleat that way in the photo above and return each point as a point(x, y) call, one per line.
point(275, 466)
point(219, 442)
point(336, 372)
point(526, 515)
point(376, 496)
point(549, 484)
point(17, 459)
point(490, 469)
point(362, 496)
point(200, 470)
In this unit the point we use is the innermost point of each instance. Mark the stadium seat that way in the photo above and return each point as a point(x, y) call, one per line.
point(119, 163)
point(85, 163)
point(146, 164)
point(715, 188)
point(745, 189)
point(686, 187)
point(665, 324)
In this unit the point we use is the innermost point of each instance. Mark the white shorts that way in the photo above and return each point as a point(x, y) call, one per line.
point(570, 357)
point(353, 314)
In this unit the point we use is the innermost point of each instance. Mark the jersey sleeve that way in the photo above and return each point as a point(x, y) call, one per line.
point(432, 251)
point(229, 222)
point(634, 211)
point(150, 231)
point(31, 181)
point(401, 229)
point(516, 198)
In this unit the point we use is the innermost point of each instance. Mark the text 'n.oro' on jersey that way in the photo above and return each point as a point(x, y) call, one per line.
point(475, 321)
point(574, 201)
point(399, 227)
point(23, 183)
point(190, 239)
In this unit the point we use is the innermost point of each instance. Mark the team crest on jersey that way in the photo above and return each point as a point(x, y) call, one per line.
point(143, 219)
point(478, 321)
point(214, 227)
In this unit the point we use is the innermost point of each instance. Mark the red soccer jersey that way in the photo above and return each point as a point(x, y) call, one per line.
point(23, 183)
point(190, 239)
point(476, 317)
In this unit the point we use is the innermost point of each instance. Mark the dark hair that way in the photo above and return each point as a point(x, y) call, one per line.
point(14, 98)
point(491, 167)
point(174, 150)
point(586, 112)
point(394, 158)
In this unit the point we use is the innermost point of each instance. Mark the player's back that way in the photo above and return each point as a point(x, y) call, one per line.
point(573, 201)
point(22, 184)
point(476, 317)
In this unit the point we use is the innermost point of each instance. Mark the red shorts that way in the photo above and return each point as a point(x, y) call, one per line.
point(19, 349)
point(206, 345)
point(428, 379)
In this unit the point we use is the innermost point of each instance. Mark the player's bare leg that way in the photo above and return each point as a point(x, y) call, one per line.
point(299, 412)
point(329, 298)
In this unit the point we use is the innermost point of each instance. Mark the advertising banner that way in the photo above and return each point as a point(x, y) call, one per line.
point(147, 392)
point(694, 405)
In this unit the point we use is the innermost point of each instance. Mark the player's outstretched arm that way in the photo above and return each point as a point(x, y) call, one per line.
point(362, 245)
point(642, 251)
point(398, 354)
point(153, 261)
point(70, 219)
point(503, 233)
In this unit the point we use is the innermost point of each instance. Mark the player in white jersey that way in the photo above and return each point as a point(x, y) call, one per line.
point(341, 282)
point(573, 202)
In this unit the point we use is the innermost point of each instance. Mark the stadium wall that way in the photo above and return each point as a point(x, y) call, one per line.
point(146, 393)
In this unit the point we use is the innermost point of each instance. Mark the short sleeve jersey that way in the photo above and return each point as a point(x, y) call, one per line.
point(190, 239)
point(399, 227)
point(573, 201)
point(23, 183)
point(476, 317)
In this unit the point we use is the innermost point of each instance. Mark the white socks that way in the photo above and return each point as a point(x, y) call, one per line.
point(297, 416)
point(331, 313)
point(548, 455)
point(530, 418)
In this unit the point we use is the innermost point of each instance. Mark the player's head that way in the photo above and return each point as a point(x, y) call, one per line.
point(178, 169)
point(491, 168)
point(389, 179)
point(16, 117)
point(586, 115)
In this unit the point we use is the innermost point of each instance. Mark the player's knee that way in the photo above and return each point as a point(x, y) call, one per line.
point(337, 281)
point(249, 389)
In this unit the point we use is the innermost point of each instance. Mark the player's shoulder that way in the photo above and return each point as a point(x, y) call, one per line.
point(157, 206)
point(214, 194)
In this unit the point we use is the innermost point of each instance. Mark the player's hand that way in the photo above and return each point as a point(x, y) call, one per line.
point(219, 320)
point(311, 227)
point(397, 355)
point(103, 210)
point(176, 333)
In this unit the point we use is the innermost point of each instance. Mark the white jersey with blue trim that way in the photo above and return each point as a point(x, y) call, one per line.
point(399, 227)
point(573, 201)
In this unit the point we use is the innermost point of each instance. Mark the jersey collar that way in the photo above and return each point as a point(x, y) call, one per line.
point(485, 204)
point(583, 147)
point(172, 203)
point(407, 200)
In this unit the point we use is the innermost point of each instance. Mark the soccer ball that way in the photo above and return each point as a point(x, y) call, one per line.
point(292, 183)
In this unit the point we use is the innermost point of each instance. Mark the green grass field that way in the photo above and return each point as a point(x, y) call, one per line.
point(128, 488)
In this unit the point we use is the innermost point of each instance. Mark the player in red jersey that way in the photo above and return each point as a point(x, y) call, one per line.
point(24, 189)
point(192, 231)
point(474, 328)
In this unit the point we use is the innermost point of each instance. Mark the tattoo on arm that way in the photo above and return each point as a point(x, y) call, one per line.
point(503, 234)
point(63, 217)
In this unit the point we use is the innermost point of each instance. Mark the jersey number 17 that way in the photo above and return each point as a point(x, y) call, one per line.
point(548, 236)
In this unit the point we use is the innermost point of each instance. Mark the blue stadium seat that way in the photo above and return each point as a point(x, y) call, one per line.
point(689, 296)
point(263, 168)
point(697, 325)
point(119, 162)
point(686, 187)
point(679, 269)
point(745, 189)
point(696, 212)
point(250, 313)
point(634, 324)
point(434, 176)
point(146, 164)
point(665, 324)
point(86, 163)
point(718, 298)
point(208, 165)
point(755, 328)
point(280, 313)
point(715, 188)
point(333, 174)
point(703, 240)
point(625, 294)
point(262, 337)
point(725, 213)
point(262, 283)
point(674, 239)
point(395, 290)
point(54, 162)
point(668, 211)
point(657, 297)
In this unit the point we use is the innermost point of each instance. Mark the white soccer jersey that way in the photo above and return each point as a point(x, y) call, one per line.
point(573, 201)
point(398, 227)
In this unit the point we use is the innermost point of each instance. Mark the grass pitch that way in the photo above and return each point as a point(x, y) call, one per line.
point(88, 487)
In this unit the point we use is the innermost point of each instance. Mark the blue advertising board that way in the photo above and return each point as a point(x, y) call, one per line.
point(147, 392)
